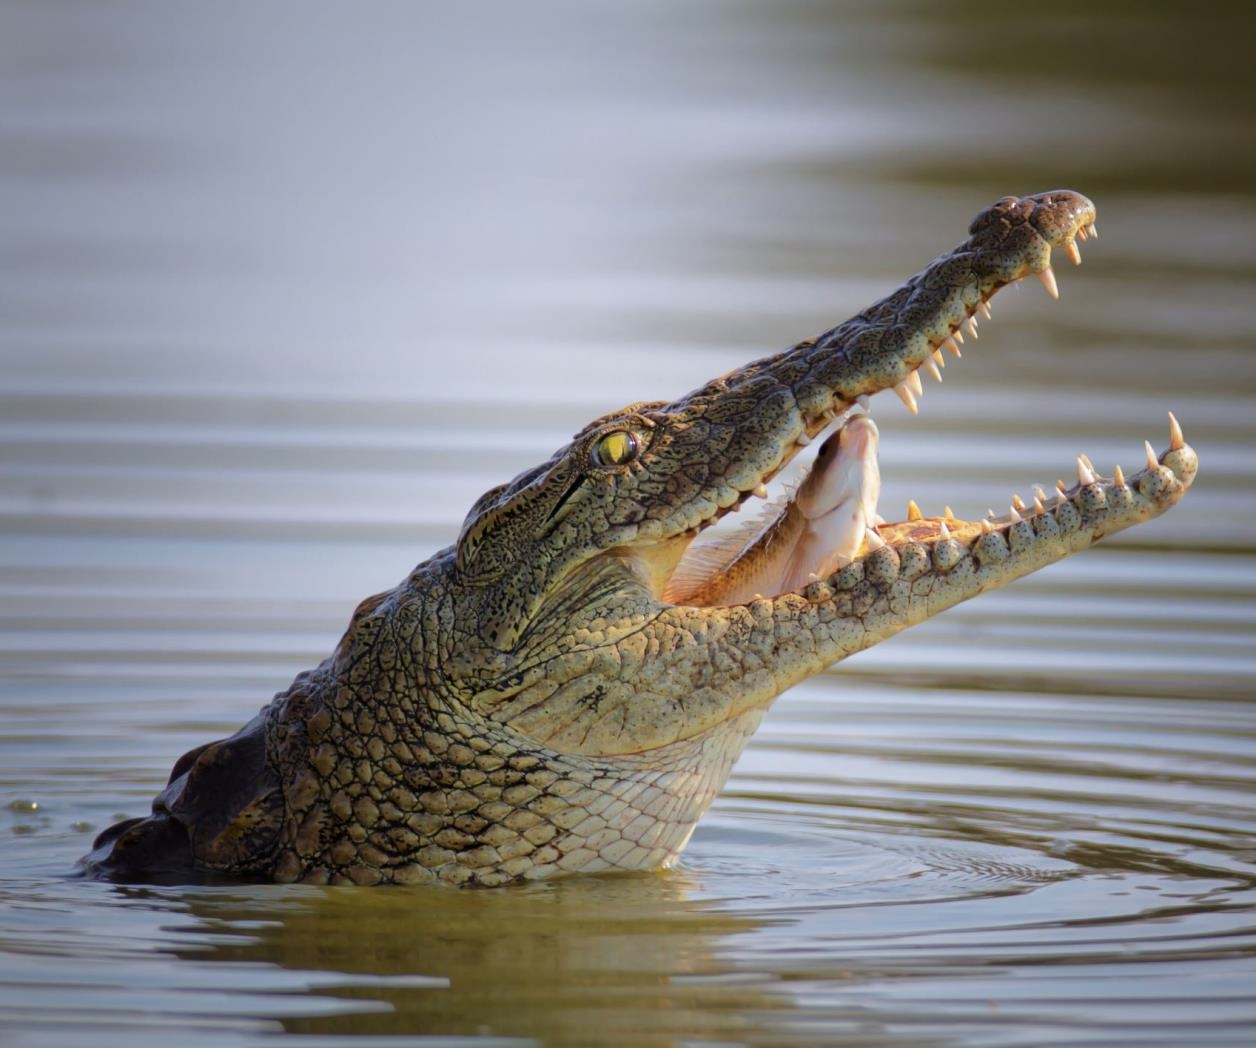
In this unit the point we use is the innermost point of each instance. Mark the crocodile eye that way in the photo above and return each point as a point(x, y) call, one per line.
point(616, 449)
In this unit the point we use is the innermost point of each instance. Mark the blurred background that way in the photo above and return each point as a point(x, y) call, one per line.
point(285, 286)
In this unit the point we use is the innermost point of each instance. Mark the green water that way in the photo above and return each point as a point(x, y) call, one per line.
point(284, 288)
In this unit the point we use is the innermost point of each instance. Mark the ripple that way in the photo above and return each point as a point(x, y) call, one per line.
point(280, 304)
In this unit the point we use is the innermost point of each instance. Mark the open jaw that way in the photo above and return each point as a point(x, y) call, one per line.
point(703, 630)
point(829, 521)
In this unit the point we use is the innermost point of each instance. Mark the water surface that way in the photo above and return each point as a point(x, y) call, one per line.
point(283, 289)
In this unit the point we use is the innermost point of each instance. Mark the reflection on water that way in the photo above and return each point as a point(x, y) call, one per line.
point(560, 961)
point(283, 291)
point(397, 962)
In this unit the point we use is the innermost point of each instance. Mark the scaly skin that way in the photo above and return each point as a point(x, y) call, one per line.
point(527, 704)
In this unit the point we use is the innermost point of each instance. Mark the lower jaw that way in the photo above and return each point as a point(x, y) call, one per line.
point(1052, 526)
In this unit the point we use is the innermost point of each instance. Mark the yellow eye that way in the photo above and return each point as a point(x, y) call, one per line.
point(616, 449)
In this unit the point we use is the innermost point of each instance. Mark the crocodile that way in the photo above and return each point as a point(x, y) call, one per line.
point(565, 689)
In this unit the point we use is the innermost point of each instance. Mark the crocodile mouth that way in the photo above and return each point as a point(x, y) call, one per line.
point(829, 520)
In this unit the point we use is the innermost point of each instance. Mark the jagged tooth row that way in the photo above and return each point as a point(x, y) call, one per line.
point(1068, 511)
point(911, 388)
point(826, 418)
point(1086, 474)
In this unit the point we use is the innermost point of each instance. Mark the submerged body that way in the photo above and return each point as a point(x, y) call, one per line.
point(566, 688)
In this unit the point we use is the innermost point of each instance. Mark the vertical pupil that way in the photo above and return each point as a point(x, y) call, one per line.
point(617, 448)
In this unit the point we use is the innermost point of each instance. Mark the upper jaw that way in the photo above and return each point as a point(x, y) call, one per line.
point(817, 384)
point(913, 329)
point(930, 316)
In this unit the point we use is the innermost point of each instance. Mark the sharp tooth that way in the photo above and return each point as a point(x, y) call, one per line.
point(991, 514)
point(970, 325)
point(1048, 281)
point(932, 368)
point(813, 577)
point(943, 531)
point(938, 358)
point(904, 394)
point(948, 512)
point(985, 308)
point(913, 511)
point(862, 401)
point(1081, 233)
point(1084, 473)
point(1018, 502)
point(1118, 477)
point(1074, 255)
point(986, 527)
point(1086, 459)
point(803, 439)
point(1013, 516)
point(874, 540)
point(760, 491)
point(1093, 230)
point(1062, 488)
point(1175, 434)
point(1153, 463)
point(1039, 506)
point(950, 345)
point(957, 336)
point(914, 384)
point(1039, 493)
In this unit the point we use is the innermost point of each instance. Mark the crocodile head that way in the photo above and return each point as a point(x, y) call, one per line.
point(566, 688)
point(610, 630)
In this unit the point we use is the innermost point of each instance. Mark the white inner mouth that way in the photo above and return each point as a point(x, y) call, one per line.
point(838, 501)
point(812, 531)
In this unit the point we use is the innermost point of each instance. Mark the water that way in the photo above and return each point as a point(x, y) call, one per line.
point(285, 288)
